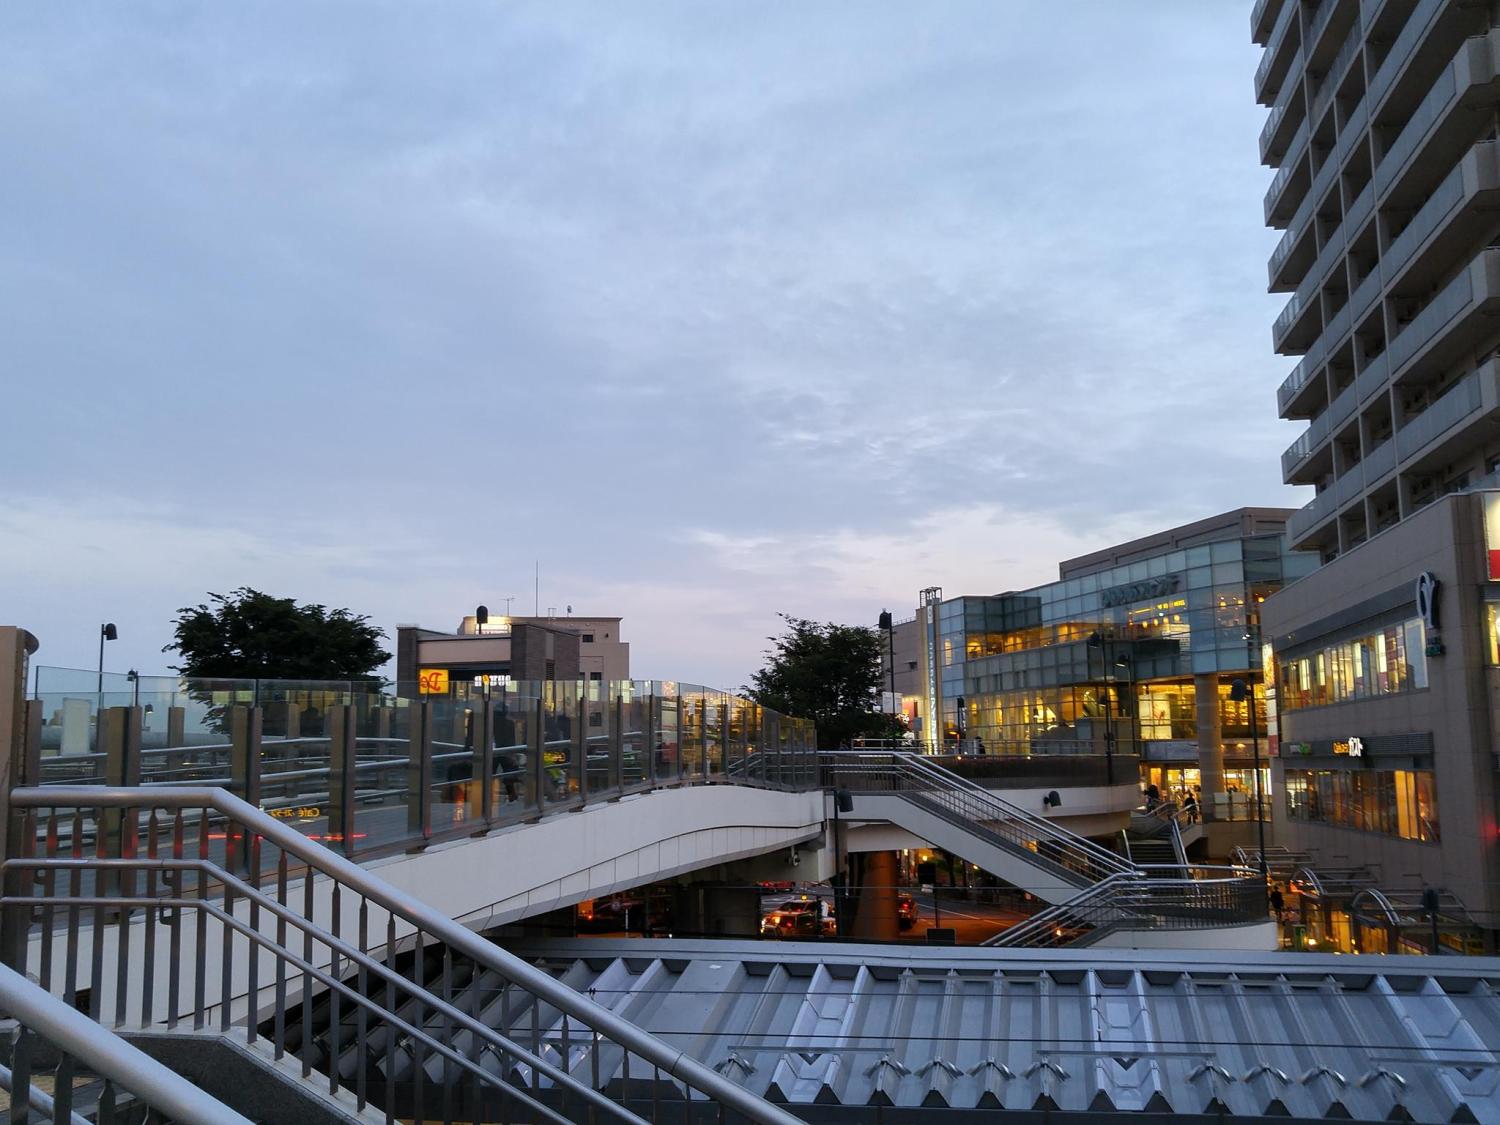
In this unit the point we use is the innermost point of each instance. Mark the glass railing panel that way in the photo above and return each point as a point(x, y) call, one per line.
point(383, 730)
point(512, 719)
point(693, 729)
point(561, 760)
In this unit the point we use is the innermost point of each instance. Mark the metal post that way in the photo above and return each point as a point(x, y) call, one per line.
point(537, 748)
point(481, 796)
point(342, 776)
point(419, 775)
point(617, 745)
point(581, 742)
point(648, 735)
point(244, 766)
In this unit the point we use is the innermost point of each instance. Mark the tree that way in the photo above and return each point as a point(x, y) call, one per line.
point(249, 635)
point(828, 673)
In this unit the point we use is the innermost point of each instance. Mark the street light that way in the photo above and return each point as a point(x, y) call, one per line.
point(1241, 692)
point(107, 632)
point(481, 619)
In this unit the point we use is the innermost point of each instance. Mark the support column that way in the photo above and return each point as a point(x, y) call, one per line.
point(1210, 740)
point(876, 915)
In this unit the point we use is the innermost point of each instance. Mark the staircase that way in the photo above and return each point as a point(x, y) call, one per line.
point(187, 911)
point(953, 813)
point(1142, 901)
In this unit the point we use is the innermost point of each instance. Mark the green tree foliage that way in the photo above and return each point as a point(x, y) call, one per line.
point(246, 634)
point(828, 673)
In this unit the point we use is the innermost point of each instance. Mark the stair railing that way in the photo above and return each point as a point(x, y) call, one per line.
point(87, 1068)
point(916, 774)
point(1154, 898)
point(115, 889)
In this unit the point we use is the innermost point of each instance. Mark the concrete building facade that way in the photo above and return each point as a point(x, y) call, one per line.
point(517, 648)
point(1383, 133)
point(1382, 130)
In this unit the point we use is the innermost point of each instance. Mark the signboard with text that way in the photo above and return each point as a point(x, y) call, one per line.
point(432, 681)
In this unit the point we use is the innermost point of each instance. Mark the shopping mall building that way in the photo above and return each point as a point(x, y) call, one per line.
point(1133, 653)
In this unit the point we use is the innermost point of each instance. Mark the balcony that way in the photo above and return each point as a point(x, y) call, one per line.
point(1435, 110)
point(1435, 435)
point(1294, 253)
point(1379, 463)
point(1311, 522)
point(1300, 323)
point(1458, 212)
point(1263, 18)
point(1434, 338)
point(1336, 71)
point(1411, 44)
point(1321, 21)
point(1277, 132)
point(1275, 64)
point(1373, 378)
point(1295, 398)
point(1280, 204)
point(1302, 454)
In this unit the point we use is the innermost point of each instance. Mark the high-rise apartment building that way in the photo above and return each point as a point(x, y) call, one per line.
point(1386, 711)
point(1382, 130)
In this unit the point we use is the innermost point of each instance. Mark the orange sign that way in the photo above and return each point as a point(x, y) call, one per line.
point(432, 681)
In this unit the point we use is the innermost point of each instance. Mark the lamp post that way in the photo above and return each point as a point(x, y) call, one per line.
point(107, 632)
point(135, 686)
point(481, 619)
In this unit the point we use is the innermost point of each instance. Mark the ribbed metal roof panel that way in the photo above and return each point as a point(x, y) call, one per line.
point(1312, 1036)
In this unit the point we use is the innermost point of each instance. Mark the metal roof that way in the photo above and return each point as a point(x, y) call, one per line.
point(1183, 1031)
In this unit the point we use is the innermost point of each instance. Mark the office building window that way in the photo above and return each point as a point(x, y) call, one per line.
point(588, 638)
point(595, 677)
point(1386, 662)
point(1401, 803)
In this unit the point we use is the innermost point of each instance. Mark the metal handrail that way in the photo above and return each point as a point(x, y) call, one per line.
point(1139, 901)
point(348, 876)
point(1021, 828)
point(107, 1055)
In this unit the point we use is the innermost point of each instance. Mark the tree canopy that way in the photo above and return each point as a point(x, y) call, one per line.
point(828, 673)
point(246, 634)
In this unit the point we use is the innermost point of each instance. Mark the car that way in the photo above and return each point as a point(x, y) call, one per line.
point(799, 918)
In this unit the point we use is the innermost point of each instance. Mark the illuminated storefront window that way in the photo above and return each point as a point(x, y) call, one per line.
point(1401, 803)
point(1387, 662)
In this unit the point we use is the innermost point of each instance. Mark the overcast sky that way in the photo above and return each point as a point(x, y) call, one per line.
point(715, 309)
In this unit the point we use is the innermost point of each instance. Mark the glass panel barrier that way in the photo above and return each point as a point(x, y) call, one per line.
point(382, 762)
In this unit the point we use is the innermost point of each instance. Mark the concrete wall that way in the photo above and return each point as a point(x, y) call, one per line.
point(1445, 538)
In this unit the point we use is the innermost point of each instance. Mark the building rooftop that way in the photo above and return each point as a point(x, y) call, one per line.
point(1238, 523)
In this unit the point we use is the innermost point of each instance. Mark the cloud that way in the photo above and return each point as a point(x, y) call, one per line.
point(715, 310)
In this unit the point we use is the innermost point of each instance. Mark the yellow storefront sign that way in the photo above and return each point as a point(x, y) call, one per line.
point(432, 681)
